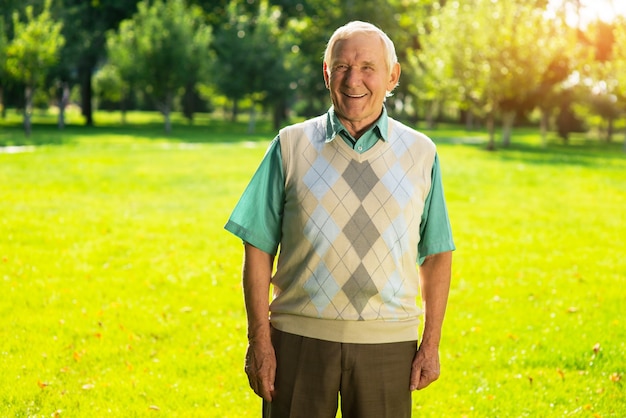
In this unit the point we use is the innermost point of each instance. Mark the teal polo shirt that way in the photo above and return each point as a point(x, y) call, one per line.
point(257, 217)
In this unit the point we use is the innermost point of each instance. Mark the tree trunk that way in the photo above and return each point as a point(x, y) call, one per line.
point(235, 111)
point(65, 98)
point(280, 113)
point(545, 121)
point(166, 110)
point(168, 120)
point(507, 128)
point(28, 109)
point(123, 108)
point(431, 111)
point(491, 146)
point(86, 94)
point(252, 121)
point(4, 112)
point(609, 130)
point(469, 120)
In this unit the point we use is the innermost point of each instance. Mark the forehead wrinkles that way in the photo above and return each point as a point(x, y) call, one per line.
point(368, 49)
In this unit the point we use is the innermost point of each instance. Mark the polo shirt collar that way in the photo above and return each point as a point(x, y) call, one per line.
point(334, 127)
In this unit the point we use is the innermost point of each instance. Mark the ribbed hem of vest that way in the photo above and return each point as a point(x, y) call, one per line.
point(353, 332)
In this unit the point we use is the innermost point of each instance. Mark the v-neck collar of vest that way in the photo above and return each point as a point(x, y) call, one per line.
point(335, 138)
point(349, 152)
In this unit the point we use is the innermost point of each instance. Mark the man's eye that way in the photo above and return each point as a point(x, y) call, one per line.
point(341, 67)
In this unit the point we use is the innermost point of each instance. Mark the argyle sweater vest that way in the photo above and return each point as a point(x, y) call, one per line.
point(347, 268)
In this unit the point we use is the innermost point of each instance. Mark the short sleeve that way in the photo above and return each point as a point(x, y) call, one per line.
point(257, 217)
point(435, 229)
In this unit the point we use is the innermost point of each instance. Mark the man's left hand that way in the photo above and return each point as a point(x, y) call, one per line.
point(425, 368)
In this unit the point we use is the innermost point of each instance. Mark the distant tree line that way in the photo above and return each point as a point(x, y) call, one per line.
point(493, 62)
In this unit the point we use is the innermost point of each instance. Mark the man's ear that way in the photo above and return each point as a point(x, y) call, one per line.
point(394, 77)
point(326, 76)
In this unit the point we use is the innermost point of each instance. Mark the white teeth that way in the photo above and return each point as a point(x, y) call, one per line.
point(355, 96)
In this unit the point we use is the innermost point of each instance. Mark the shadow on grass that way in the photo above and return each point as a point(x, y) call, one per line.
point(586, 153)
point(527, 147)
point(214, 131)
point(209, 130)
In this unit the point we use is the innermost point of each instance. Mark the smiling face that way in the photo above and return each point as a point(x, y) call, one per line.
point(358, 79)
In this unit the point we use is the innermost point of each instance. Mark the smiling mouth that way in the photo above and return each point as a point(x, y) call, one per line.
point(355, 96)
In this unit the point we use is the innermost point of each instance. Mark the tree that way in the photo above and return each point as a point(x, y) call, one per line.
point(109, 86)
point(431, 78)
point(165, 47)
point(603, 72)
point(33, 50)
point(277, 60)
point(86, 25)
point(258, 58)
point(493, 54)
point(3, 70)
point(619, 62)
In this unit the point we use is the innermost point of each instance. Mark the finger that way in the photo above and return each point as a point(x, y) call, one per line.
point(266, 391)
point(267, 383)
point(261, 385)
point(426, 379)
point(415, 377)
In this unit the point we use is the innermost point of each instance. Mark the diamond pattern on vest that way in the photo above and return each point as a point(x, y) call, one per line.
point(321, 287)
point(361, 177)
point(350, 206)
point(361, 232)
point(402, 145)
point(320, 177)
point(351, 227)
point(359, 289)
point(321, 230)
point(392, 294)
point(394, 237)
point(398, 184)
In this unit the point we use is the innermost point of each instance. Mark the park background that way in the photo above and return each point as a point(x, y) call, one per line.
point(129, 130)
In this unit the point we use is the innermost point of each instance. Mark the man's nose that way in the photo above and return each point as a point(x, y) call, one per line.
point(353, 76)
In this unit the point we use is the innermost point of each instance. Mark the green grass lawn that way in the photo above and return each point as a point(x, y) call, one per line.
point(121, 291)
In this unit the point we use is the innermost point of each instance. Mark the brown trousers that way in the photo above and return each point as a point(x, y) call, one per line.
point(372, 380)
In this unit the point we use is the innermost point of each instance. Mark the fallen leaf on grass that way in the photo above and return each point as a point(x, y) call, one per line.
point(154, 408)
point(77, 356)
point(561, 373)
point(596, 348)
point(89, 386)
point(42, 385)
point(615, 377)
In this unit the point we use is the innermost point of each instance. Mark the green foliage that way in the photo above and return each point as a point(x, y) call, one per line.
point(484, 58)
point(163, 48)
point(109, 84)
point(258, 55)
point(35, 46)
point(122, 297)
point(3, 48)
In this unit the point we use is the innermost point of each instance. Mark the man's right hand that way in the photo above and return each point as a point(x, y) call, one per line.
point(261, 368)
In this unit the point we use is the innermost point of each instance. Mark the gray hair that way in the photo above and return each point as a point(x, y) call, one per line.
point(354, 27)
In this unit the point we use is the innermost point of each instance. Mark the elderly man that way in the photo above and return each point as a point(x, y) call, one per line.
point(354, 201)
